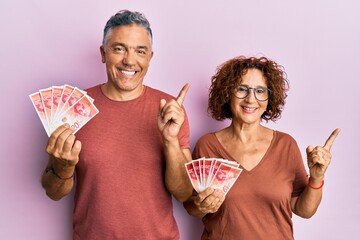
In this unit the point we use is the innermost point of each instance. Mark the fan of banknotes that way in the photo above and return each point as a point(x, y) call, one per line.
point(212, 172)
point(58, 105)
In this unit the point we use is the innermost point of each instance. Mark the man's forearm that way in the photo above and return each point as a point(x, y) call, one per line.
point(57, 183)
point(176, 178)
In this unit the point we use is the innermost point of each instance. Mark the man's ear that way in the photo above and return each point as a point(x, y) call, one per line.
point(102, 52)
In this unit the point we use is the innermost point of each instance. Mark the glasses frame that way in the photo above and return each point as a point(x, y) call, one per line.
point(254, 89)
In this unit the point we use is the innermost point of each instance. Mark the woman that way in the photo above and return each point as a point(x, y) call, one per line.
point(274, 183)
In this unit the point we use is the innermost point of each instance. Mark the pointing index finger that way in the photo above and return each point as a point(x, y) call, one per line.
point(181, 97)
point(331, 139)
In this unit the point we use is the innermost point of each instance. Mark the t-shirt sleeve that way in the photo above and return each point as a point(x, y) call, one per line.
point(205, 147)
point(300, 174)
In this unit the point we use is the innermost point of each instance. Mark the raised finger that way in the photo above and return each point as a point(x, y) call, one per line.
point(331, 139)
point(181, 97)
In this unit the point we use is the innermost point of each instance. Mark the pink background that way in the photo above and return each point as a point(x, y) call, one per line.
point(46, 43)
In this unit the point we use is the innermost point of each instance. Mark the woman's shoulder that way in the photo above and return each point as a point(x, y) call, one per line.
point(207, 139)
point(283, 136)
point(207, 146)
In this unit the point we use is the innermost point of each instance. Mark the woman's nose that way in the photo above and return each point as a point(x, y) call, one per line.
point(251, 96)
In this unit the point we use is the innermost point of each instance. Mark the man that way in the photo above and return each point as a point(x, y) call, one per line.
point(123, 155)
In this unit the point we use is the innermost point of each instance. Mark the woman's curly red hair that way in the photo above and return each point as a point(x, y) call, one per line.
point(229, 74)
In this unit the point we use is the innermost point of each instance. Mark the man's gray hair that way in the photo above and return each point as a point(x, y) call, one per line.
point(126, 17)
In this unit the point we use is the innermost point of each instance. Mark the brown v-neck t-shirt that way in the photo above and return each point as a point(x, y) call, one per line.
point(258, 204)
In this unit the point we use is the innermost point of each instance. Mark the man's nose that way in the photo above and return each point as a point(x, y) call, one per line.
point(129, 58)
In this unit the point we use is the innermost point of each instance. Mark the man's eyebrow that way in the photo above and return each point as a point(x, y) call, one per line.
point(115, 44)
point(145, 48)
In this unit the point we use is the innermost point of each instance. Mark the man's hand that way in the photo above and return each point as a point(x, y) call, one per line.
point(171, 115)
point(64, 150)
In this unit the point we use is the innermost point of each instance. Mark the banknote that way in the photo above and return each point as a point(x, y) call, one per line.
point(46, 98)
point(197, 169)
point(66, 92)
point(39, 107)
point(71, 100)
point(225, 176)
point(56, 98)
point(58, 105)
point(192, 176)
point(77, 115)
point(217, 173)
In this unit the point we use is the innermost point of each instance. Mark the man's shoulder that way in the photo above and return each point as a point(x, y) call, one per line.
point(93, 88)
point(157, 92)
point(94, 91)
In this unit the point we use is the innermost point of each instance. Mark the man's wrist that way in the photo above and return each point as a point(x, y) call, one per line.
point(170, 142)
point(62, 172)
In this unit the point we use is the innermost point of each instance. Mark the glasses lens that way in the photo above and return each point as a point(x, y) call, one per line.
point(261, 93)
point(242, 91)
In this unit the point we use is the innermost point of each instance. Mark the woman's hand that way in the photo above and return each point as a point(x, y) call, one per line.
point(319, 158)
point(210, 200)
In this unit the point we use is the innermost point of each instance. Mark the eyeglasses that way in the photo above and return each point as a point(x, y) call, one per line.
point(261, 93)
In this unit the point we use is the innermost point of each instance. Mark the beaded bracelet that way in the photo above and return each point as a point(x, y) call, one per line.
point(53, 171)
point(316, 188)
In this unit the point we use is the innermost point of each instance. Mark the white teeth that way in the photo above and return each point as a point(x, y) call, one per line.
point(127, 72)
point(249, 109)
